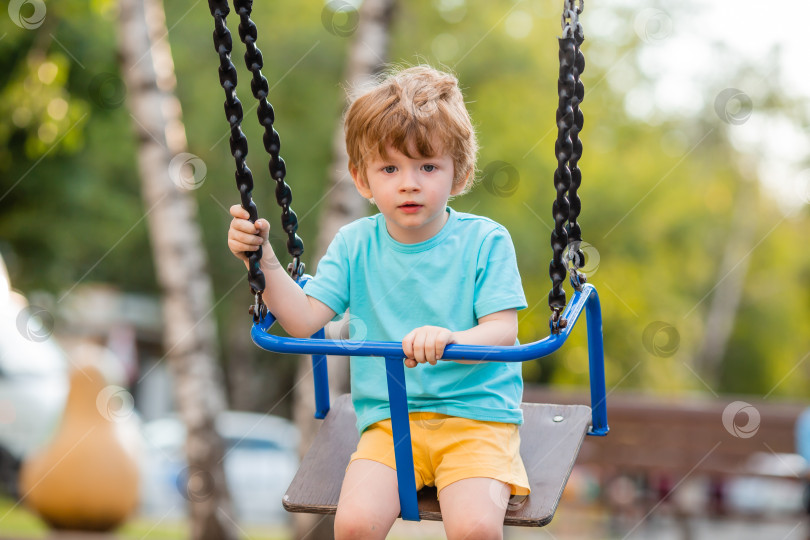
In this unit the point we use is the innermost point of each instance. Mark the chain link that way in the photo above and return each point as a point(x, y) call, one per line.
point(575, 255)
point(570, 17)
point(248, 33)
point(223, 44)
point(567, 177)
point(563, 148)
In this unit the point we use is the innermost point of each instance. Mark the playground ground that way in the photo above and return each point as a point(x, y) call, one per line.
point(594, 525)
point(578, 523)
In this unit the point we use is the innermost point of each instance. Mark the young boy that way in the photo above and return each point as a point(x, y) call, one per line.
point(420, 273)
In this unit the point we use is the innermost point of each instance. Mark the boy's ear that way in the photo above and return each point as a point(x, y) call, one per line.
point(458, 187)
point(360, 183)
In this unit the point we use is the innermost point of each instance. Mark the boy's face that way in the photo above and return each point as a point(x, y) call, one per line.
point(411, 193)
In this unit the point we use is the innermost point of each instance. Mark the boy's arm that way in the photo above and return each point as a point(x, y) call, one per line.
point(497, 329)
point(300, 315)
point(427, 343)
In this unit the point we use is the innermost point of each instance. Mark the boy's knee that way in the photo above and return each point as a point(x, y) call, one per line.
point(474, 530)
point(356, 526)
point(348, 526)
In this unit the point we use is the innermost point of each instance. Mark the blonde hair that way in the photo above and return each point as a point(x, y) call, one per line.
point(417, 109)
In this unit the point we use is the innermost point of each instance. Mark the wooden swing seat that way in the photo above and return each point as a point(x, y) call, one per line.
point(551, 436)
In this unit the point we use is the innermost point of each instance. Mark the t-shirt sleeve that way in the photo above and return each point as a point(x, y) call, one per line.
point(497, 280)
point(331, 282)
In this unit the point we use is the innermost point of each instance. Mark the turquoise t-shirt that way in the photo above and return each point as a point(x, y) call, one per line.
point(468, 270)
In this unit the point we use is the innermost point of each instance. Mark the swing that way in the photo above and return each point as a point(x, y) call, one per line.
point(551, 435)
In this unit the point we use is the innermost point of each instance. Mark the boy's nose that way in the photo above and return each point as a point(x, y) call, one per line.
point(409, 181)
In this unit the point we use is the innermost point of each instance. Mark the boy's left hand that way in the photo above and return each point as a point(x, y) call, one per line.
point(426, 344)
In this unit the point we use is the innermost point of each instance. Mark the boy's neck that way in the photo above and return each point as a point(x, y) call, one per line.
point(415, 236)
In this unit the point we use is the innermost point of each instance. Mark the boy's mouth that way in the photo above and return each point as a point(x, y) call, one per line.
point(410, 207)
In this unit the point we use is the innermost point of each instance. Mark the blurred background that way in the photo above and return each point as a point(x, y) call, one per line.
point(696, 186)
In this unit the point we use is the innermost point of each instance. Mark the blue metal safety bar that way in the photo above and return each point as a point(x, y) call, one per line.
point(586, 299)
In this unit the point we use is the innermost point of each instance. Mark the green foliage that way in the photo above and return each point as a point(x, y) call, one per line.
point(658, 191)
point(36, 103)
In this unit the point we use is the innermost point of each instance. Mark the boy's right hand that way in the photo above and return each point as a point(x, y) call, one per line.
point(245, 236)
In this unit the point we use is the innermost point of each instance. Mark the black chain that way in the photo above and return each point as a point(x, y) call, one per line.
point(223, 43)
point(576, 259)
point(239, 145)
point(568, 150)
point(272, 142)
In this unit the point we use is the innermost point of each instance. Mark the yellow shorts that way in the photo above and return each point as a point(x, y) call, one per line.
point(447, 449)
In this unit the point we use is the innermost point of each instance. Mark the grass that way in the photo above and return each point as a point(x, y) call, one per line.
point(18, 522)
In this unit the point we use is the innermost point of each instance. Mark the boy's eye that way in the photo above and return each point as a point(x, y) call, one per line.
point(390, 169)
point(429, 168)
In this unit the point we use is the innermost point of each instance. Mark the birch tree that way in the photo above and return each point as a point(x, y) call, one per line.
point(168, 175)
point(730, 281)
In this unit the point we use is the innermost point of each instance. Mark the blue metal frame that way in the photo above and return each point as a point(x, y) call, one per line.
point(586, 299)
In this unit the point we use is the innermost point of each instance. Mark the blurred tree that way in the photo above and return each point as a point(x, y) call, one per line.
point(727, 292)
point(658, 195)
point(60, 113)
point(190, 330)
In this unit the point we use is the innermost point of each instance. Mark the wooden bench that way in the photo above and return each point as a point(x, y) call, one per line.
point(667, 441)
point(681, 435)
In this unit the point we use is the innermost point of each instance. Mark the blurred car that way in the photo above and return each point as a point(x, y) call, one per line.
point(33, 389)
point(33, 381)
point(33, 373)
point(261, 458)
point(769, 494)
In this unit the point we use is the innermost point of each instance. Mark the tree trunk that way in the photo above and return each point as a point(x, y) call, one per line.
point(190, 337)
point(367, 57)
point(730, 281)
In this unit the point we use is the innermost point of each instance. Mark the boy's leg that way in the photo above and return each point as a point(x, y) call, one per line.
point(369, 501)
point(474, 508)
